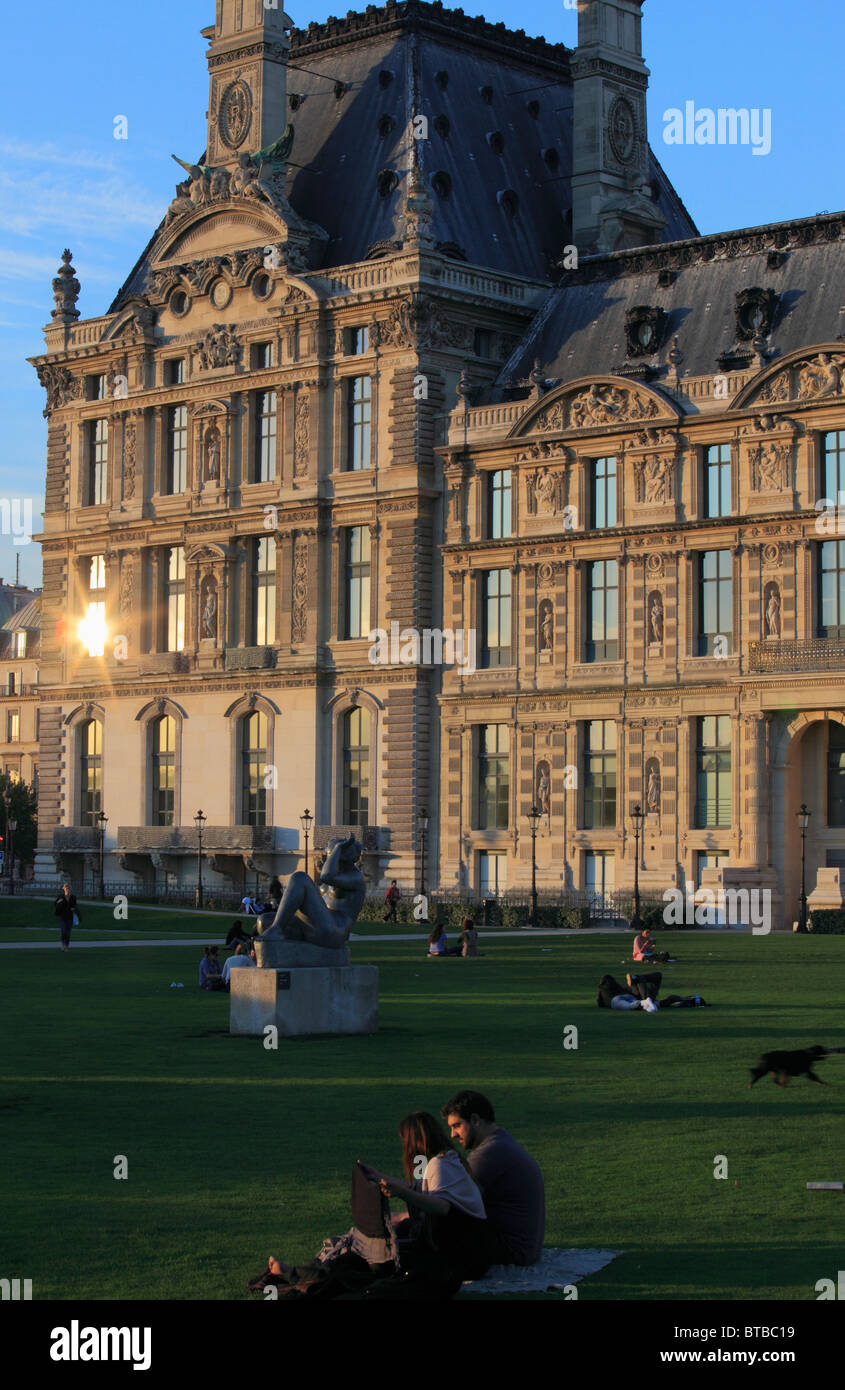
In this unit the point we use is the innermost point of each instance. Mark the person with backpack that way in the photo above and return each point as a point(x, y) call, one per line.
point(67, 912)
point(391, 897)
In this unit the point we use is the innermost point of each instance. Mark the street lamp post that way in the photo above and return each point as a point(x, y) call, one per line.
point(534, 816)
point(804, 821)
point(7, 803)
point(199, 822)
point(638, 817)
point(13, 825)
point(102, 820)
point(306, 821)
point(422, 826)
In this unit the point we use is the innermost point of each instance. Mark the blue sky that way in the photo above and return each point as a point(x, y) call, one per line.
point(66, 181)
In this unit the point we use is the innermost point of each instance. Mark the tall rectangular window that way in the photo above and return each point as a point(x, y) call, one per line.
point(359, 403)
point(98, 462)
point(493, 776)
point(499, 504)
point(715, 602)
point(175, 599)
point(359, 341)
point(356, 767)
point(13, 732)
point(717, 480)
point(492, 873)
point(177, 449)
point(836, 775)
point(92, 631)
point(603, 611)
point(264, 592)
point(163, 770)
point(599, 874)
point(262, 356)
point(20, 644)
point(90, 771)
point(832, 589)
point(833, 468)
point(357, 582)
point(713, 772)
point(265, 436)
point(254, 740)
point(496, 615)
point(599, 774)
point(603, 493)
point(709, 859)
point(174, 372)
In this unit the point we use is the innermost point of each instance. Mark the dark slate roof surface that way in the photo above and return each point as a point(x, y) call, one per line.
point(580, 329)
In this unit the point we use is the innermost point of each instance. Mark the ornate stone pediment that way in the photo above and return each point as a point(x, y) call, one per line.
point(593, 404)
point(805, 377)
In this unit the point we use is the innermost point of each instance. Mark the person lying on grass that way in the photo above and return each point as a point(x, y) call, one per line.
point(426, 1255)
point(642, 993)
point(644, 948)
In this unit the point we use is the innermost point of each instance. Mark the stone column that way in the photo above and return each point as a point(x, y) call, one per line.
point(754, 790)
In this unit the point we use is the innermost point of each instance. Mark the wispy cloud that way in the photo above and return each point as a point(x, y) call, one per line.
point(25, 265)
point(79, 206)
point(47, 153)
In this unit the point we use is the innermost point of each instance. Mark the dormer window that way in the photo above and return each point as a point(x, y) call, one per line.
point(645, 328)
point(755, 312)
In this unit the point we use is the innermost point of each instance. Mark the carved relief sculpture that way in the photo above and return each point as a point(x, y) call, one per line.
point(218, 348)
point(300, 591)
point(129, 442)
point(127, 585)
point(654, 479)
point(302, 418)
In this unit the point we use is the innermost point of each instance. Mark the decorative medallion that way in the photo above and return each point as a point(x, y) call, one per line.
point(221, 294)
point(622, 130)
point(234, 117)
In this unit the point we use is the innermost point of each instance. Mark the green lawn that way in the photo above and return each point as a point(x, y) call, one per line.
point(235, 1152)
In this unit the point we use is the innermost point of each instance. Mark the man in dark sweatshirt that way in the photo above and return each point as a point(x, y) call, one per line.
point(509, 1178)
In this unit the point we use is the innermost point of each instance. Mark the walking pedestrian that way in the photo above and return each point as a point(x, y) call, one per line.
point(67, 912)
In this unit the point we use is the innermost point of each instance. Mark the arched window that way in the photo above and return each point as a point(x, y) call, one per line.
point(253, 769)
point(163, 744)
point(356, 767)
point(90, 771)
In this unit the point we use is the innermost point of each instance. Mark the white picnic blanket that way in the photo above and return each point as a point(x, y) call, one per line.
point(556, 1269)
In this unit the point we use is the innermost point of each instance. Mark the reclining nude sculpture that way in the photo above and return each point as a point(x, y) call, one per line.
point(322, 916)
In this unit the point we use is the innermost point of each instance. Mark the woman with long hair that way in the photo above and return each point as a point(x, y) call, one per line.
point(426, 1255)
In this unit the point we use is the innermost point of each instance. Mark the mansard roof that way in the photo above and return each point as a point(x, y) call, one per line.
point(497, 159)
point(699, 295)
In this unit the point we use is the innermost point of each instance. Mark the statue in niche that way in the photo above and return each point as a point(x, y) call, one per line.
point(212, 454)
point(546, 491)
point(547, 626)
point(773, 613)
point(652, 794)
point(655, 620)
point(208, 621)
point(544, 788)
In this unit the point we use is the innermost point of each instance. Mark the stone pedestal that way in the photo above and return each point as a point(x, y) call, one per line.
point(304, 999)
point(827, 892)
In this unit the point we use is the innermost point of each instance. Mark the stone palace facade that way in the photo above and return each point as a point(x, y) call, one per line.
point(427, 346)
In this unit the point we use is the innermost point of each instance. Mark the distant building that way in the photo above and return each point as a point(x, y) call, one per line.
point(20, 650)
point(429, 350)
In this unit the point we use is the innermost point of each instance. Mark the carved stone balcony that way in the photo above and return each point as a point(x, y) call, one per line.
point(373, 838)
point(76, 839)
point(250, 658)
point(182, 839)
point(164, 663)
point(810, 654)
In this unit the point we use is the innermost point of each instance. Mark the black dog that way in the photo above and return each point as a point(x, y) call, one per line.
point(782, 1065)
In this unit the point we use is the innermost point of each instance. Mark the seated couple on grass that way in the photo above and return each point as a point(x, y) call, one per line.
point(464, 1215)
point(467, 941)
point(642, 993)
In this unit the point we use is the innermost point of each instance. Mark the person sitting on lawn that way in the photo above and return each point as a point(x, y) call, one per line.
point(469, 938)
point(438, 943)
point(509, 1178)
point(210, 973)
point(644, 948)
point(239, 959)
point(426, 1255)
point(236, 933)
